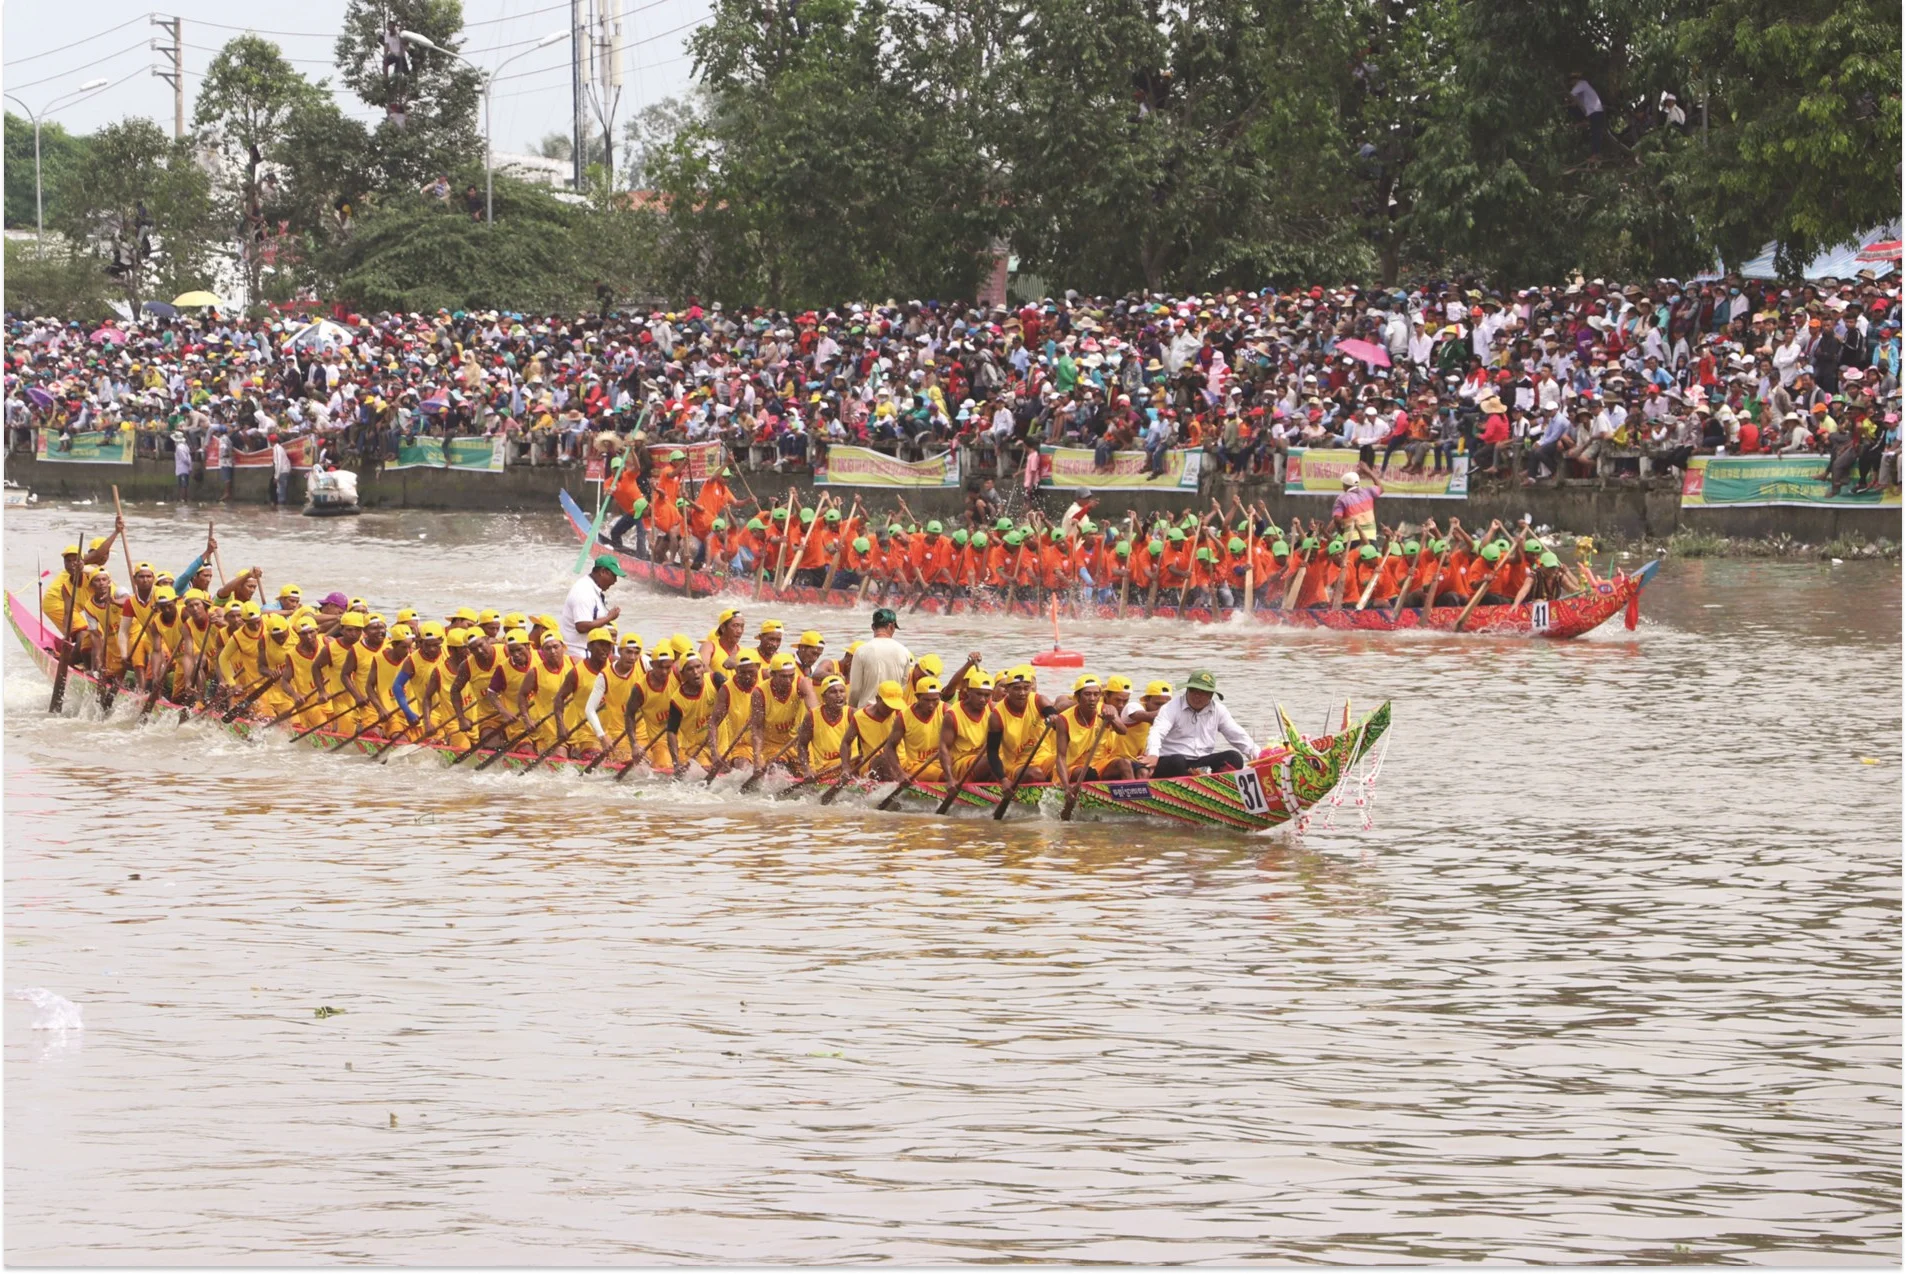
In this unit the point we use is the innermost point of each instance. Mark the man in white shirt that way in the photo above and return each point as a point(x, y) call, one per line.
point(1187, 733)
point(881, 658)
point(587, 605)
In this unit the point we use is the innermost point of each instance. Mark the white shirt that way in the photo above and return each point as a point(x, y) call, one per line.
point(878, 659)
point(585, 604)
point(1585, 97)
point(1179, 731)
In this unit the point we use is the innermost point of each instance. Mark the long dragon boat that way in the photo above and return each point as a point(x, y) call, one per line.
point(1282, 783)
point(1566, 617)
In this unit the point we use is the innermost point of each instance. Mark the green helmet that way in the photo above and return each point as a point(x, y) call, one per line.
point(1503, 546)
point(640, 507)
point(1549, 559)
point(861, 544)
point(1535, 546)
point(1411, 548)
point(1124, 548)
point(807, 515)
point(1004, 524)
point(1368, 552)
point(1088, 527)
point(1439, 547)
point(959, 537)
point(1236, 545)
point(1244, 526)
point(1310, 542)
point(833, 515)
point(1014, 539)
point(1175, 536)
point(1490, 552)
point(1155, 549)
point(754, 524)
point(1204, 555)
point(1057, 535)
point(1280, 549)
point(979, 539)
point(721, 524)
point(1336, 547)
point(1190, 519)
point(913, 528)
point(893, 528)
point(780, 515)
point(933, 527)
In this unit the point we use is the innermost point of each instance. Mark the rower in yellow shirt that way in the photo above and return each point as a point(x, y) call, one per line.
point(874, 733)
point(923, 732)
point(739, 711)
point(825, 728)
point(691, 713)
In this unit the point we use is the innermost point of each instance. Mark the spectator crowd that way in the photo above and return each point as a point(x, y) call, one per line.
point(1540, 383)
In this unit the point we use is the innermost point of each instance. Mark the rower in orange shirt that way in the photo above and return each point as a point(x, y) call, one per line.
point(1393, 573)
point(1323, 566)
point(998, 561)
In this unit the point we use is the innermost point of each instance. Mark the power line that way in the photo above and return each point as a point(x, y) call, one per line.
point(226, 26)
point(82, 40)
point(48, 79)
point(202, 48)
point(512, 17)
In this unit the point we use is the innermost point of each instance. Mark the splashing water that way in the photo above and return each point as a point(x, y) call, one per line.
point(51, 1012)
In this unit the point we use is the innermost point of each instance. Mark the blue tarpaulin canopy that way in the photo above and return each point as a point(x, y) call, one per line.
point(1834, 263)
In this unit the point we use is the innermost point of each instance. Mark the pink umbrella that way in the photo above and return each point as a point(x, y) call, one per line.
point(109, 336)
point(1375, 355)
point(1886, 251)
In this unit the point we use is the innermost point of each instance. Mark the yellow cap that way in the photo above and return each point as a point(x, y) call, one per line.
point(631, 641)
point(375, 617)
point(830, 681)
point(251, 610)
point(783, 662)
point(601, 634)
point(517, 637)
point(290, 590)
point(548, 621)
point(305, 625)
point(350, 619)
point(516, 619)
point(663, 652)
point(97, 542)
point(852, 646)
point(1085, 680)
point(164, 593)
point(890, 693)
point(1116, 684)
point(71, 550)
point(927, 686)
point(978, 681)
point(430, 628)
point(1021, 672)
point(277, 625)
point(457, 638)
point(772, 626)
point(401, 632)
point(726, 615)
point(931, 664)
point(746, 659)
point(466, 614)
point(490, 617)
point(811, 638)
point(358, 603)
point(408, 615)
point(1157, 688)
point(684, 646)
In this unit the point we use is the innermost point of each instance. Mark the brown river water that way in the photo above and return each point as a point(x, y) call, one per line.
point(1614, 977)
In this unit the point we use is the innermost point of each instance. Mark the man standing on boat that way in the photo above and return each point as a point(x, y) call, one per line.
point(1356, 508)
point(587, 605)
point(881, 658)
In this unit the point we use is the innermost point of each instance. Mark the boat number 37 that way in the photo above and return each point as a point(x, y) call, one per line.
point(1539, 616)
point(1251, 792)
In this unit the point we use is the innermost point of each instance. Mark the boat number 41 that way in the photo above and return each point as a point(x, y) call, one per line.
point(1539, 616)
point(1251, 792)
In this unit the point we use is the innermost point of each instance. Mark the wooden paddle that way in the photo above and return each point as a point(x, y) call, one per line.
point(901, 788)
point(840, 550)
point(953, 793)
point(721, 762)
point(798, 784)
point(1376, 575)
point(511, 746)
point(294, 709)
point(787, 576)
point(1073, 788)
point(363, 730)
point(231, 713)
point(562, 736)
point(1125, 585)
point(397, 737)
point(765, 565)
point(628, 732)
point(1297, 580)
point(846, 773)
point(1006, 797)
point(344, 711)
point(125, 548)
point(1422, 548)
point(1488, 583)
point(761, 770)
point(1429, 590)
point(77, 581)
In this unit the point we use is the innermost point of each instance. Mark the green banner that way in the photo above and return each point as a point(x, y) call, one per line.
point(90, 448)
point(1746, 481)
point(479, 455)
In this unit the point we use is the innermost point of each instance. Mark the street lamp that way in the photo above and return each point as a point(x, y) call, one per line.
point(489, 82)
point(39, 208)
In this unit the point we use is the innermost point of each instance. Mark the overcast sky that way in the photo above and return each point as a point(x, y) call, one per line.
point(112, 38)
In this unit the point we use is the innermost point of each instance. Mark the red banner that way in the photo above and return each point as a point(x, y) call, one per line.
point(301, 450)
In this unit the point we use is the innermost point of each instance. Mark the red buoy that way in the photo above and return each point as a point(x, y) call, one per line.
point(1057, 658)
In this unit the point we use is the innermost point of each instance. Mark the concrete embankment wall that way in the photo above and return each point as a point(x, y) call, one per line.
point(1628, 511)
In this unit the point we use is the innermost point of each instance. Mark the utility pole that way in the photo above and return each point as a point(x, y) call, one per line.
point(605, 77)
point(176, 76)
point(578, 53)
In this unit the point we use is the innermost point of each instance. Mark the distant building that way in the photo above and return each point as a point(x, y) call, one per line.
point(537, 169)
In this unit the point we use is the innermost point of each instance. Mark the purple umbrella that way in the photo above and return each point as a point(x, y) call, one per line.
point(1375, 355)
point(433, 405)
point(40, 397)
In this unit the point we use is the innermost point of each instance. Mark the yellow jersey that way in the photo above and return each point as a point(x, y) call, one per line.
point(823, 747)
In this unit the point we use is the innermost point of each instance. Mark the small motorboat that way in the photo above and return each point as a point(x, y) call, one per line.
point(331, 493)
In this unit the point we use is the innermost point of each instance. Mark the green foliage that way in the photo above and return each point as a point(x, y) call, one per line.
point(137, 175)
point(414, 253)
point(440, 95)
point(60, 283)
point(1804, 122)
point(60, 154)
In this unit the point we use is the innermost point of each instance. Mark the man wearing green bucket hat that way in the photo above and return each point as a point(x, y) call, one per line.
point(1195, 733)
